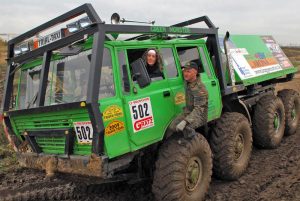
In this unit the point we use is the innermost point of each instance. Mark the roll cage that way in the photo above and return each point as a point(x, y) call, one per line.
point(98, 29)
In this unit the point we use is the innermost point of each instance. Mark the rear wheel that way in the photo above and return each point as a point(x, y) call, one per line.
point(268, 122)
point(183, 170)
point(231, 143)
point(291, 102)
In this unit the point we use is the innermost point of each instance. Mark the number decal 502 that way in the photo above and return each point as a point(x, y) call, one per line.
point(84, 132)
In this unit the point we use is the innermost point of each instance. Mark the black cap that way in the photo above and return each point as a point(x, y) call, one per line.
point(190, 64)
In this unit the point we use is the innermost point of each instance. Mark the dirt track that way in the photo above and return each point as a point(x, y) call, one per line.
point(272, 175)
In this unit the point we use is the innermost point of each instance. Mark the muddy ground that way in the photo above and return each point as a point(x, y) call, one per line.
point(272, 175)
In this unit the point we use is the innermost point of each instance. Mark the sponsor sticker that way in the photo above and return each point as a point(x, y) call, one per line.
point(242, 51)
point(277, 52)
point(112, 112)
point(114, 127)
point(179, 98)
point(141, 114)
point(49, 38)
point(84, 132)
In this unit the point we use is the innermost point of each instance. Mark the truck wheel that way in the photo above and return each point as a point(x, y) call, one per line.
point(231, 144)
point(291, 102)
point(183, 169)
point(268, 122)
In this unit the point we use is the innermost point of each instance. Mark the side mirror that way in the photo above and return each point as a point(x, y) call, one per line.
point(140, 72)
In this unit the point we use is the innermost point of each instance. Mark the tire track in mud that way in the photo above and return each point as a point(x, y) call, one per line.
point(25, 184)
point(272, 175)
point(31, 185)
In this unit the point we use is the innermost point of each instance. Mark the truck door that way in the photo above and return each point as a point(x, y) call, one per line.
point(111, 106)
point(198, 55)
point(175, 78)
point(148, 110)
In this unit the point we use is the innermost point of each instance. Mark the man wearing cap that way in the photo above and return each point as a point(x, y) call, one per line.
point(196, 96)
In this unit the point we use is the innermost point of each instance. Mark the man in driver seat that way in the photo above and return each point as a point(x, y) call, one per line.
point(195, 112)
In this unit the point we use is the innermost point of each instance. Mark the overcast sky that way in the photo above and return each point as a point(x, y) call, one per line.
point(269, 17)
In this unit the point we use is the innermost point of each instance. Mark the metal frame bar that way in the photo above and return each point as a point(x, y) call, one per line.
point(93, 92)
point(49, 108)
point(55, 45)
point(44, 78)
point(85, 8)
point(33, 144)
point(196, 20)
point(135, 29)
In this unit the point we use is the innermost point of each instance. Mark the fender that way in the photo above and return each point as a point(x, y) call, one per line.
point(246, 111)
point(237, 105)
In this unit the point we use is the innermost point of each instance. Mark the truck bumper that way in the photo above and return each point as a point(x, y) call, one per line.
point(81, 165)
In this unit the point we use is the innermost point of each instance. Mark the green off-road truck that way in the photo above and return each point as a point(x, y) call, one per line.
point(78, 100)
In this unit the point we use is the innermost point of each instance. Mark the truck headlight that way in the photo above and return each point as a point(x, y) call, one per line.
point(24, 47)
point(73, 27)
point(84, 22)
point(17, 50)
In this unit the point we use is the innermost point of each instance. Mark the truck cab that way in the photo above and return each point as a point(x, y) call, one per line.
point(134, 117)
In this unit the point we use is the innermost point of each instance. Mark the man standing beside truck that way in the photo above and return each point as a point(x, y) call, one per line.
point(195, 112)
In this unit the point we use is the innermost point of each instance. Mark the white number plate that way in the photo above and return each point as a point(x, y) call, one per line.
point(84, 132)
point(141, 114)
point(50, 38)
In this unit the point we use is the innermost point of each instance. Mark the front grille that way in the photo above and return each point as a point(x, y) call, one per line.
point(51, 145)
point(50, 121)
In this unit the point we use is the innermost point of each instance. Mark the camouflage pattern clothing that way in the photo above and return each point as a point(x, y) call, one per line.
point(195, 112)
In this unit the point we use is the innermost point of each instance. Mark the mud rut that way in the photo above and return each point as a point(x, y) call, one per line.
point(272, 175)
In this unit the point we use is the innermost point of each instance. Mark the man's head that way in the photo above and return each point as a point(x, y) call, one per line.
point(151, 57)
point(190, 71)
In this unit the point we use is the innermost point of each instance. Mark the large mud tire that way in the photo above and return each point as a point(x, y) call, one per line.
point(268, 122)
point(231, 144)
point(291, 102)
point(183, 170)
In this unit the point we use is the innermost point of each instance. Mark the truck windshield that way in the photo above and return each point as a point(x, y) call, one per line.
point(29, 87)
point(67, 81)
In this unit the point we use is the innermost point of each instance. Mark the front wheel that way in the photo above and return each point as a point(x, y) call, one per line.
point(231, 143)
point(183, 169)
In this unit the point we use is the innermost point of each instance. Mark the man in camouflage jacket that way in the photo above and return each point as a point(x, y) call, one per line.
point(196, 96)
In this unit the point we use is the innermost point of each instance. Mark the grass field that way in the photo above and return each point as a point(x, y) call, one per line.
point(294, 55)
point(2, 52)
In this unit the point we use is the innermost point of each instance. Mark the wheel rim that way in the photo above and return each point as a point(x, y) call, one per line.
point(193, 174)
point(276, 121)
point(239, 146)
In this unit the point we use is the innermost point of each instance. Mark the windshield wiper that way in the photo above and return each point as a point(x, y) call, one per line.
point(34, 98)
point(17, 67)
